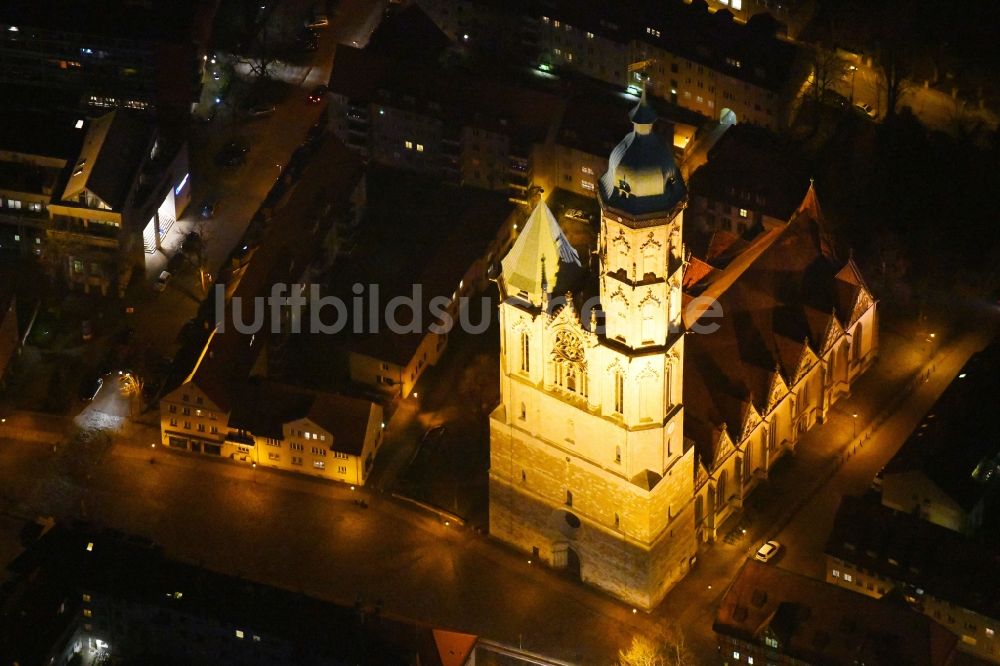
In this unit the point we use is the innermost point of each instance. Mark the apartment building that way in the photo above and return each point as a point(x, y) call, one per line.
point(450, 123)
point(150, 57)
point(772, 616)
point(753, 181)
point(267, 423)
point(90, 196)
point(877, 551)
point(701, 60)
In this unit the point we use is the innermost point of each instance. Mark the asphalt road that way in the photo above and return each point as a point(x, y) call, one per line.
point(305, 534)
point(239, 191)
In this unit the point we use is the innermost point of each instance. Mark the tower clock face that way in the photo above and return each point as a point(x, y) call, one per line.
point(568, 346)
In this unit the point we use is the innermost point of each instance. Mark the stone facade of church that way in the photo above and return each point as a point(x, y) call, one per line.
point(600, 461)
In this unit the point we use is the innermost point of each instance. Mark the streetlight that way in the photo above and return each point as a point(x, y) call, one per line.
point(854, 71)
point(854, 426)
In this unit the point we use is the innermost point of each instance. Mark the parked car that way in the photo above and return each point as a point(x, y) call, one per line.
point(232, 154)
point(767, 552)
point(866, 109)
point(209, 209)
point(161, 282)
point(317, 21)
point(316, 94)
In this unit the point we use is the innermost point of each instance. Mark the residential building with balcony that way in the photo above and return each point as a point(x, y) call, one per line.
point(703, 61)
point(769, 615)
point(877, 551)
point(108, 54)
point(90, 196)
point(459, 126)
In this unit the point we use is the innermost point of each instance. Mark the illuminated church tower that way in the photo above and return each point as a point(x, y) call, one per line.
point(588, 464)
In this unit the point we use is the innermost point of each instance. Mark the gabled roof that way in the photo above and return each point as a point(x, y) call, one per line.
point(904, 547)
point(113, 150)
point(536, 255)
point(344, 417)
point(819, 623)
point(775, 309)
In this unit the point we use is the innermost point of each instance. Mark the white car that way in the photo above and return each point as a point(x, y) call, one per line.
point(318, 21)
point(767, 552)
point(161, 282)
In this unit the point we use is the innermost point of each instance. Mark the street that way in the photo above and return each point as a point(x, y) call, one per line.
point(240, 190)
point(305, 534)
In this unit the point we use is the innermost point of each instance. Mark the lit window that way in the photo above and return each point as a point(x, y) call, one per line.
point(743, 212)
point(587, 170)
point(420, 147)
point(90, 546)
point(736, 655)
point(590, 35)
point(749, 660)
point(557, 51)
point(408, 144)
point(17, 238)
point(587, 185)
point(989, 632)
point(88, 613)
point(569, 57)
point(256, 638)
point(835, 573)
point(556, 23)
point(341, 470)
point(86, 598)
point(319, 464)
point(545, 19)
point(239, 634)
point(737, 4)
point(848, 577)
point(771, 642)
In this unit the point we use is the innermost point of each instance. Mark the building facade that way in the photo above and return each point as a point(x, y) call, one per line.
point(264, 423)
point(588, 464)
point(617, 444)
point(93, 197)
point(876, 551)
point(773, 616)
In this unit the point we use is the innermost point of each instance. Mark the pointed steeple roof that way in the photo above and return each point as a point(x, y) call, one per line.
point(533, 261)
point(643, 113)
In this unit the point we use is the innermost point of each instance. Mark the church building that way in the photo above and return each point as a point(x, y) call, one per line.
point(607, 457)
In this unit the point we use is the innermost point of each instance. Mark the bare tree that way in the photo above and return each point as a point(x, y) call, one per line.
point(828, 69)
point(665, 647)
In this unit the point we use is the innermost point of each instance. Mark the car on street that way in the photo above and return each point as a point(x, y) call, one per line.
point(90, 387)
point(161, 282)
point(767, 552)
point(232, 154)
point(317, 21)
point(316, 94)
point(209, 208)
point(865, 108)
